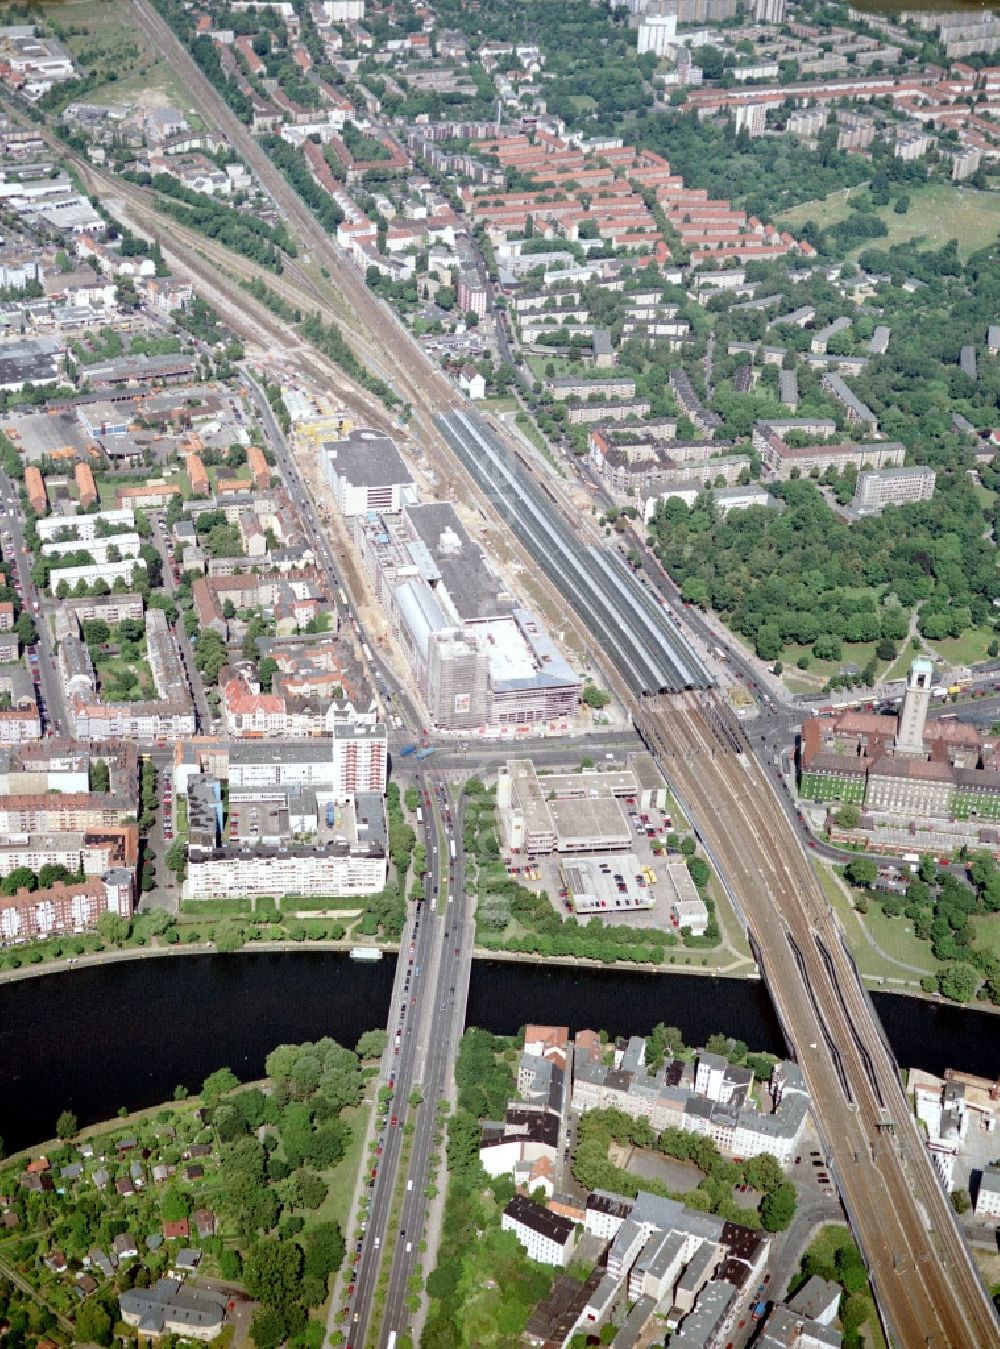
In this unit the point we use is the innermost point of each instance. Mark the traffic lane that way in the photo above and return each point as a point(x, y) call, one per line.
point(443, 1040)
point(385, 1181)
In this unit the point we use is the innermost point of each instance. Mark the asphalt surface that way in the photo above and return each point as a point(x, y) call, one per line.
point(426, 1020)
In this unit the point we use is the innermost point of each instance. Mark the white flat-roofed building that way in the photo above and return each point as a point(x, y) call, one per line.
point(105, 571)
point(687, 908)
point(126, 545)
point(877, 489)
point(359, 758)
point(84, 527)
point(988, 1194)
point(367, 473)
point(353, 862)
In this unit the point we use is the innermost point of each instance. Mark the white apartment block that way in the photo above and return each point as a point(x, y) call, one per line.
point(126, 545)
point(896, 486)
point(284, 871)
point(106, 571)
point(988, 1195)
point(359, 759)
point(84, 526)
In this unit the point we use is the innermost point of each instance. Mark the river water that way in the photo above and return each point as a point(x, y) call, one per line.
point(91, 1040)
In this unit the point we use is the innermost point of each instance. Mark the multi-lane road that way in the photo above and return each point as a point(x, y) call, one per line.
point(426, 1019)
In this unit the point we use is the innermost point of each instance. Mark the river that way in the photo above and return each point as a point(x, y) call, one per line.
point(94, 1039)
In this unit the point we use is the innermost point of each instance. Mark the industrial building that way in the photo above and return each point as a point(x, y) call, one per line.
point(574, 812)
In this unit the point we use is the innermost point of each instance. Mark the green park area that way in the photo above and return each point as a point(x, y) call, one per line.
point(942, 932)
point(248, 1184)
point(833, 1255)
point(938, 212)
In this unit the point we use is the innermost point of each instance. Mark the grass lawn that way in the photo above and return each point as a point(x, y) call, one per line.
point(562, 366)
point(987, 930)
point(108, 671)
point(938, 212)
point(112, 47)
point(897, 938)
point(904, 660)
point(871, 963)
point(855, 653)
point(342, 1179)
point(508, 404)
point(971, 646)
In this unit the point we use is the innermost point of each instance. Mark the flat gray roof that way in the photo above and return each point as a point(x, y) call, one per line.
point(475, 589)
point(367, 459)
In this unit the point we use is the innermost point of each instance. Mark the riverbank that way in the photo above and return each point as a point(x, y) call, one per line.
point(737, 970)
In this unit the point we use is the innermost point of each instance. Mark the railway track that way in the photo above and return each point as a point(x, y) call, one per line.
point(927, 1287)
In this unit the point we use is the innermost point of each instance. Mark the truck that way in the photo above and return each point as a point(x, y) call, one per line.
point(391, 1341)
point(426, 752)
point(406, 750)
point(329, 814)
point(451, 849)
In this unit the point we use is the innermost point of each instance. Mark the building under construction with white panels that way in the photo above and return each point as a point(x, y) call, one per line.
point(479, 660)
point(632, 629)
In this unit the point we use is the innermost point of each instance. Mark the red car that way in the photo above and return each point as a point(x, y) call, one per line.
point(395, 1121)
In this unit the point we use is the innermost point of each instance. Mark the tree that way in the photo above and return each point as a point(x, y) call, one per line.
point(777, 1208)
point(272, 1272)
point(958, 982)
point(960, 1201)
point(595, 697)
point(266, 671)
point(862, 871)
point(111, 927)
point(218, 1083)
point(372, 1044)
point(324, 1250)
point(175, 1205)
point(21, 878)
point(100, 776)
point(268, 1328)
point(699, 870)
point(848, 817)
point(66, 1125)
point(229, 935)
point(176, 857)
point(27, 633)
point(93, 1324)
point(763, 1173)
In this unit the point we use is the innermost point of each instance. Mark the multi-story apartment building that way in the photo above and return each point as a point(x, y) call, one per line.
point(65, 908)
point(894, 486)
point(352, 859)
point(547, 1237)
